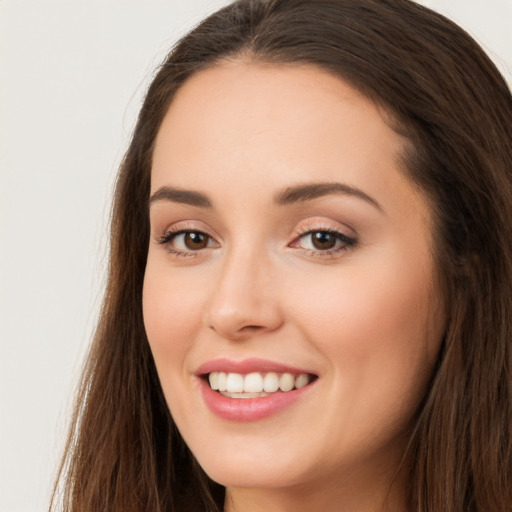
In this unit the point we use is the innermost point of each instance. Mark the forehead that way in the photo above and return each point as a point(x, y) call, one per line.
point(259, 126)
point(244, 101)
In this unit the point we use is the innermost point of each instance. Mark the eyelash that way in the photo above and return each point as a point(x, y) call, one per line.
point(170, 235)
point(347, 242)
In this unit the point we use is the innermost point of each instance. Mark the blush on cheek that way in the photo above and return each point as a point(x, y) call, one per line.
point(386, 313)
point(172, 314)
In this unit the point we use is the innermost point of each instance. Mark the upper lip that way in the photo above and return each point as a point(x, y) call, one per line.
point(247, 366)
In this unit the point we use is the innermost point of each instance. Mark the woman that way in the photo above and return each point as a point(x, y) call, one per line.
point(308, 304)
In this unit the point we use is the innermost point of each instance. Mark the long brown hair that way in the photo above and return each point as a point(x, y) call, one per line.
point(124, 452)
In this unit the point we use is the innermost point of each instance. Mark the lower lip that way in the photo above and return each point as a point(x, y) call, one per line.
point(249, 409)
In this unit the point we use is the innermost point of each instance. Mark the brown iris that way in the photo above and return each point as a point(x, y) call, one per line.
point(323, 240)
point(194, 240)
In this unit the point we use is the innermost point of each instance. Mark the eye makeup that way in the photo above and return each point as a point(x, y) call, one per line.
point(313, 239)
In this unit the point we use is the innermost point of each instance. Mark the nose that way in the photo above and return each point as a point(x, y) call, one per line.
point(244, 303)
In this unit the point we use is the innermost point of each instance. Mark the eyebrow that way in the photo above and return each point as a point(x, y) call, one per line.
point(178, 195)
point(290, 195)
point(309, 191)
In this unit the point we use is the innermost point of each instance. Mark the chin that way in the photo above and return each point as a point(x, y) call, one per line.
point(265, 477)
point(244, 471)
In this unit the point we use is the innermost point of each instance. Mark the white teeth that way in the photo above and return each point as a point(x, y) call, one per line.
point(221, 382)
point(301, 381)
point(235, 383)
point(254, 385)
point(286, 382)
point(243, 395)
point(213, 379)
point(271, 382)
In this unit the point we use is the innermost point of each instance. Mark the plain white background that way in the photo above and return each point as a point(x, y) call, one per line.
point(72, 75)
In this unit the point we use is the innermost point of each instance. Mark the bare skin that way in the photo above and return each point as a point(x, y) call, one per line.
point(253, 256)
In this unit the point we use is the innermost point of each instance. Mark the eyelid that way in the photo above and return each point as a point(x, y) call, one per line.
point(186, 226)
point(308, 227)
point(172, 234)
point(348, 242)
point(168, 234)
point(312, 226)
point(323, 224)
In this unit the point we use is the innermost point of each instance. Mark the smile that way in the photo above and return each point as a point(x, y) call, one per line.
point(252, 389)
point(255, 384)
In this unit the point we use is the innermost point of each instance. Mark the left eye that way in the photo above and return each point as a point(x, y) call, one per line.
point(325, 241)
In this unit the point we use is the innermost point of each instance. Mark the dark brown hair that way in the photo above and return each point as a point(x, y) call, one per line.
point(124, 452)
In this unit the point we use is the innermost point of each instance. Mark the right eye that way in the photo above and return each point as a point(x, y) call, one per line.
point(186, 242)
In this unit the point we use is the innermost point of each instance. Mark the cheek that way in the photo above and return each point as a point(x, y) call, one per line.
point(377, 327)
point(171, 313)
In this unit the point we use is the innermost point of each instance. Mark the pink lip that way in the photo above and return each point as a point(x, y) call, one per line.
point(248, 409)
point(247, 366)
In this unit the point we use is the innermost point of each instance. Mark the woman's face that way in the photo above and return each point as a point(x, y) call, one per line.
point(288, 249)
